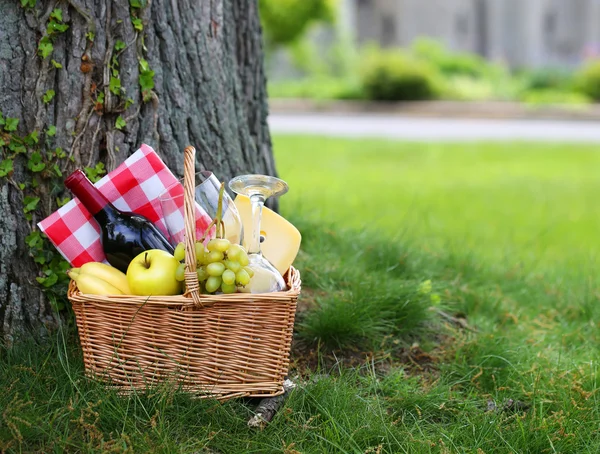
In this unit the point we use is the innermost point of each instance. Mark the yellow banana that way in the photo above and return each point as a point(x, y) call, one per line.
point(87, 283)
point(107, 273)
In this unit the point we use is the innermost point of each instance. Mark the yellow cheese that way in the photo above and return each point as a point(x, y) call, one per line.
point(281, 239)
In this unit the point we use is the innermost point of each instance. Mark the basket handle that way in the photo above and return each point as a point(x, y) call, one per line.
point(189, 204)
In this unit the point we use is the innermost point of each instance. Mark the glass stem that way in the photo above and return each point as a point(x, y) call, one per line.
point(257, 201)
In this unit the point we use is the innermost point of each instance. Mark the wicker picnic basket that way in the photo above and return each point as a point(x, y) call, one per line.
point(220, 346)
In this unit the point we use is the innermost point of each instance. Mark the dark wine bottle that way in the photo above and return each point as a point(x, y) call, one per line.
point(124, 235)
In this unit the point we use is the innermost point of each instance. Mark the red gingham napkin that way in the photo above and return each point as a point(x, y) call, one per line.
point(133, 186)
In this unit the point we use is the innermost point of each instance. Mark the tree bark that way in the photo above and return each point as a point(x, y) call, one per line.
point(209, 91)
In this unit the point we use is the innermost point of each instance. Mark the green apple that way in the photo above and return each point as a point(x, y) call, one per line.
point(153, 273)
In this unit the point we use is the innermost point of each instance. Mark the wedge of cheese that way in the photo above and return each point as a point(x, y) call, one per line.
point(281, 239)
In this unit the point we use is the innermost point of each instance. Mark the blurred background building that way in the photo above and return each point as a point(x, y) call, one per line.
point(522, 33)
point(536, 52)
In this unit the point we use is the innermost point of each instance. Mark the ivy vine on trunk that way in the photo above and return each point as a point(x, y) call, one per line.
point(83, 84)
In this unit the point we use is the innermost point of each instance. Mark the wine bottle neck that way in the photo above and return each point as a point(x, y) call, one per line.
point(82, 188)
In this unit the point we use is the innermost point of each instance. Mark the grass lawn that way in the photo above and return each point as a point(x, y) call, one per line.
point(450, 304)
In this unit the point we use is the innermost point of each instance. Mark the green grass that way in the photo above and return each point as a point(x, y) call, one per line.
point(394, 235)
point(531, 204)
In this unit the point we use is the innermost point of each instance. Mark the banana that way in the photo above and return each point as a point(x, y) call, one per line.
point(93, 285)
point(107, 273)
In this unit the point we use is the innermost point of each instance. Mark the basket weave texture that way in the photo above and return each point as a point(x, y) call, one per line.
point(219, 346)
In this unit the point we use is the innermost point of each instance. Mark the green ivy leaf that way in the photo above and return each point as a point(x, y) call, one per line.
point(48, 96)
point(35, 163)
point(31, 138)
point(137, 23)
point(120, 123)
point(144, 66)
point(55, 27)
point(28, 3)
point(128, 103)
point(33, 239)
point(57, 170)
point(56, 64)
point(119, 45)
point(90, 36)
point(135, 3)
point(95, 173)
point(22, 186)
point(51, 131)
point(6, 167)
point(30, 203)
point(60, 153)
point(56, 14)
point(115, 85)
point(11, 124)
point(100, 98)
point(62, 202)
point(146, 79)
point(48, 281)
point(17, 148)
point(45, 47)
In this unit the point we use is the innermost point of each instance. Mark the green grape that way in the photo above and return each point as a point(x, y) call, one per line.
point(218, 244)
point(214, 256)
point(228, 288)
point(234, 252)
point(228, 277)
point(200, 253)
point(180, 272)
point(244, 261)
point(215, 269)
point(233, 266)
point(202, 274)
point(212, 284)
point(250, 271)
point(179, 253)
point(242, 277)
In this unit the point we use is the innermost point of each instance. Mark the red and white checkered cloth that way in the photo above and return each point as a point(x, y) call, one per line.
point(133, 186)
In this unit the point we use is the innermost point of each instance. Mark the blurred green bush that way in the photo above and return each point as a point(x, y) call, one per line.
point(554, 96)
point(547, 79)
point(587, 79)
point(392, 75)
point(465, 76)
point(447, 62)
point(426, 70)
point(284, 21)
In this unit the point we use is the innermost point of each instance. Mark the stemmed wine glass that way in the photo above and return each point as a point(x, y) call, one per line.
point(259, 188)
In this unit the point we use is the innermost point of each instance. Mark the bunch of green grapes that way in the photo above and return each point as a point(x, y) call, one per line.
point(220, 265)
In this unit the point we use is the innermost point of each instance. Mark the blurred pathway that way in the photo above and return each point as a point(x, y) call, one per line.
point(434, 129)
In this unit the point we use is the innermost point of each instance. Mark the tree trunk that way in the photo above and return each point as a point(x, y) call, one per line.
point(165, 73)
